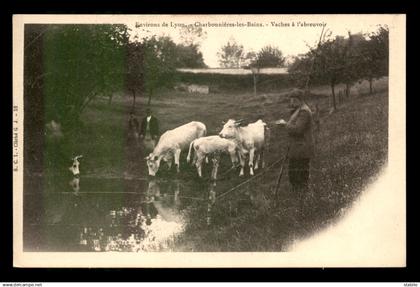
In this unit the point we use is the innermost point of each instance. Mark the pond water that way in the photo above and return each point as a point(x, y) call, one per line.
point(95, 214)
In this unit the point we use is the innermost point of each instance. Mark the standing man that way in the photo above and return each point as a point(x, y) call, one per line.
point(149, 131)
point(301, 145)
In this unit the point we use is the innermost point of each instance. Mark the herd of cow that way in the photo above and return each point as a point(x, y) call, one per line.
point(235, 140)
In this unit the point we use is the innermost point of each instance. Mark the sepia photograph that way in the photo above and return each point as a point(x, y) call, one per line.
point(209, 140)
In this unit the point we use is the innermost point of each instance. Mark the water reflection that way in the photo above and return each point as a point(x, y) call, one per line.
point(150, 226)
point(75, 184)
point(91, 214)
point(210, 202)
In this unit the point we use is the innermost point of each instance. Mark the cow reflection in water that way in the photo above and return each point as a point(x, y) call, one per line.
point(151, 224)
point(210, 202)
point(166, 205)
point(230, 206)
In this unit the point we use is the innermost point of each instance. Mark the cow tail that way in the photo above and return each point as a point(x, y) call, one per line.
point(189, 152)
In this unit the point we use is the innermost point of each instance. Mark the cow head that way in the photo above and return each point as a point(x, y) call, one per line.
point(75, 166)
point(230, 128)
point(153, 163)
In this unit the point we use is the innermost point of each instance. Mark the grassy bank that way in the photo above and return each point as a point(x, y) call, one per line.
point(352, 148)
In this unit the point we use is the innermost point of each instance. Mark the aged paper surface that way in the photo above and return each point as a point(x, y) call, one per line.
point(372, 233)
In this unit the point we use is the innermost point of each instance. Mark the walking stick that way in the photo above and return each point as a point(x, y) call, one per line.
point(276, 190)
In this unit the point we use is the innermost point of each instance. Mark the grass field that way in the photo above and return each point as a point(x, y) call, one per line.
point(352, 147)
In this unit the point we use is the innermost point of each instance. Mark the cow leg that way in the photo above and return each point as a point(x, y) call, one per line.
point(216, 161)
point(262, 158)
point(257, 160)
point(177, 156)
point(251, 161)
point(198, 165)
point(233, 158)
point(242, 163)
point(194, 158)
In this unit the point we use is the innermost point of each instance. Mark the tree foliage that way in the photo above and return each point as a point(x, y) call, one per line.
point(269, 57)
point(231, 55)
point(81, 62)
point(374, 55)
point(192, 35)
point(159, 63)
point(189, 56)
point(343, 60)
point(84, 61)
point(249, 59)
point(152, 63)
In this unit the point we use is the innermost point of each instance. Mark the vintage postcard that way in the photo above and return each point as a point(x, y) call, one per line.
point(209, 140)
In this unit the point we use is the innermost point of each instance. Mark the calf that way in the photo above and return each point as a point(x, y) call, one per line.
point(213, 145)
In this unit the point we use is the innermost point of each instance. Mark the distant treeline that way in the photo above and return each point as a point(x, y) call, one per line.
point(236, 83)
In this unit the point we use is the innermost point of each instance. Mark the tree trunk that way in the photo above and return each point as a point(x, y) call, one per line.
point(370, 86)
point(110, 98)
point(255, 84)
point(149, 101)
point(348, 87)
point(333, 96)
point(133, 106)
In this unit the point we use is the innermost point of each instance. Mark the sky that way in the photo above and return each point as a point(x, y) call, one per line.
point(291, 40)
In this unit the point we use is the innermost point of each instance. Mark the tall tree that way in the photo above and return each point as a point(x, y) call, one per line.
point(231, 55)
point(135, 72)
point(81, 62)
point(352, 71)
point(159, 64)
point(152, 63)
point(189, 57)
point(270, 57)
point(323, 64)
point(300, 69)
point(249, 59)
point(191, 35)
point(375, 56)
point(330, 63)
point(188, 53)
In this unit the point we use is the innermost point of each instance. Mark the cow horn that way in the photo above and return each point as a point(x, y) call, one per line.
point(223, 122)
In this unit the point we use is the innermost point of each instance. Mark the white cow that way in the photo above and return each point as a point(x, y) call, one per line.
point(250, 139)
point(171, 143)
point(213, 145)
